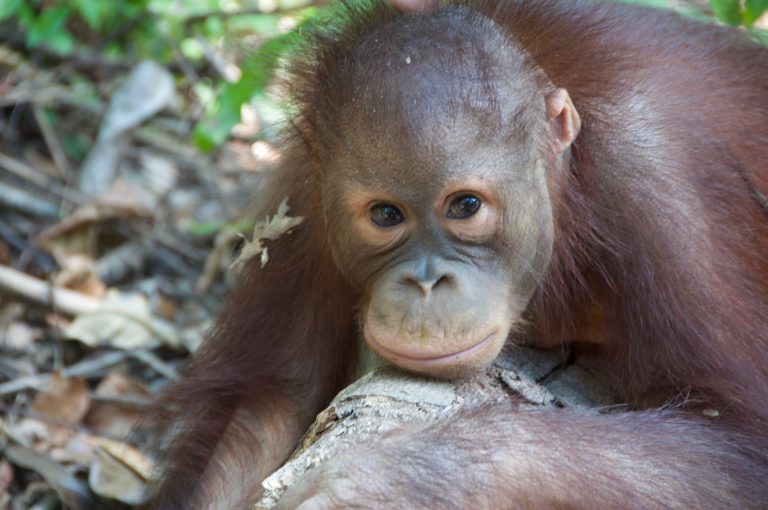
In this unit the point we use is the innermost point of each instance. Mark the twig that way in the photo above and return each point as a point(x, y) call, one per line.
point(186, 68)
point(80, 58)
point(53, 143)
point(75, 427)
point(120, 262)
point(40, 292)
point(155, 363)
point(41, 94)
point(10, 235)
point(171, 145)
point(39, 179)
point(168, 246)
point(82, 369)
point(26, 202)
point(69, 302)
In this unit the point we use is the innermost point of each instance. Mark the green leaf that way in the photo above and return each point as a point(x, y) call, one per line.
point(60, 41)
point(75, 145)
point(256, 23)
point(224, 114)
point(727, 11)
point(192, 49)
point(208, 229)
point(759, 35)
point(49, 29)
point(753, 9)
point(257, 74)
point(258, 71)
point(93, 12)
point(9, 8)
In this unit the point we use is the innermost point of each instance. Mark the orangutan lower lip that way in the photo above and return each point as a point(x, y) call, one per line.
point(427, 359)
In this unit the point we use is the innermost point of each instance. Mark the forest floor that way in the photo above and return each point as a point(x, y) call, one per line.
point(116, 239)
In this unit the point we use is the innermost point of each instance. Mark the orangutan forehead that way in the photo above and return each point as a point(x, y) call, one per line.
point(429, 73)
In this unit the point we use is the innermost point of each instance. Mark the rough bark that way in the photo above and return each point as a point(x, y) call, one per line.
point(387, 399)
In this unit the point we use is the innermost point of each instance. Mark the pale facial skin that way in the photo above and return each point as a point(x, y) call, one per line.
point(444, 225)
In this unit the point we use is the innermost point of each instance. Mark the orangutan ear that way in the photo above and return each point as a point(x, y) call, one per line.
point(563, 118)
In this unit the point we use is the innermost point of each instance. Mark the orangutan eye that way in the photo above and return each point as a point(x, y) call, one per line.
point(463, 207)
point(386, 215)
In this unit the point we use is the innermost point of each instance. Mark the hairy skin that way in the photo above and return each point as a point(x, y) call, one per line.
point(511, 465)
point(528, 172)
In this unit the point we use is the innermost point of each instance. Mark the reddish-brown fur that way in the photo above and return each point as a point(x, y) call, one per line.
point(661, 250)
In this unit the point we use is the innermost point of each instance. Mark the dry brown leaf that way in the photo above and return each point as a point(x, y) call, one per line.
point(269, 228)
point(128, 455)
point(117, 384)
point(125, 321)
point(166, 306)
point(110, 478)
point(63, 399)
point(120, 471)
point(112, 418)
point(28, 432)
point(75, 233)
point(125, 200)
point(78, 272)
point(76, 451)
